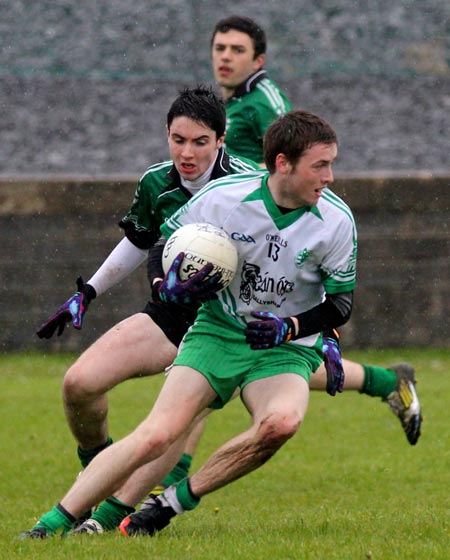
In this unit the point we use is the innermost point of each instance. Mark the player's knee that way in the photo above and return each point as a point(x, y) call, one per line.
point(77, 386)
point(151, 444)
point(278, 427)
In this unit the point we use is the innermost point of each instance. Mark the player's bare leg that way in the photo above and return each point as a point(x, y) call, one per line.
point(110, 513)
point(194, 437)
point(133, 348)
point(181, 468)
point(354, 377)
point(278, 405)
point(136, 487)
point(185, 394)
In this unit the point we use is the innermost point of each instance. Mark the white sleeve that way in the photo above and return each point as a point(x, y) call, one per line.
point(123, 259)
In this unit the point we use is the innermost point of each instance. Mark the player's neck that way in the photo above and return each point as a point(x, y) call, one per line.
point(197, 184)
point(282, 196)
point(227, 93)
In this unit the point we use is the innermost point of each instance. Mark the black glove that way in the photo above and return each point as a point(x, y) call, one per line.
point(332, 359)
point(268, 331)
point(198, 288)
point(73, 310)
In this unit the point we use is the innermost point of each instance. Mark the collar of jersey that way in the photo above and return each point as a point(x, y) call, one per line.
point(283, 220)
point(250, 83)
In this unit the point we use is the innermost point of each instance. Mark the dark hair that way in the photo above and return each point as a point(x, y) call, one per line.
point(200, 104)
point(245, 25)
point(294, 133)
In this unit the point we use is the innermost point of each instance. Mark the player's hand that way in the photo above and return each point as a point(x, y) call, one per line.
point(268, 330)
point(332, 359)
point(72, 310)
point(198, 288)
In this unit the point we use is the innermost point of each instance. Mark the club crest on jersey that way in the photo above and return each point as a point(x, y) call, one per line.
point(302, 257)
point(262, 288)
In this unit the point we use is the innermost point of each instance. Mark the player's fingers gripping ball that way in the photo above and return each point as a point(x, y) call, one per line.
point(201, 286)
point(201, 243)
point(268, 330)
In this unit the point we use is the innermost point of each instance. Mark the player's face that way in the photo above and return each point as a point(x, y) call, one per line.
point(233, 59)
point(193, 147)
point(303, 183)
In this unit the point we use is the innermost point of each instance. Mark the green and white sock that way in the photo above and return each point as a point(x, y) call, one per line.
point(180, 471)
point(111, 512)
point(378, 382)
point(181, 497)
point(58, 519)
point(86, 455)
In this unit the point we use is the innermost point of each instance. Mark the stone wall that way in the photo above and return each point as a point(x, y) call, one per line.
point(55, 228)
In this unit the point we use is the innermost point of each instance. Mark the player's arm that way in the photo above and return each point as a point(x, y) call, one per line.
point(332, 313)
point(155, 272)
point(269, 330)
point(124, 258)
point(121, 262)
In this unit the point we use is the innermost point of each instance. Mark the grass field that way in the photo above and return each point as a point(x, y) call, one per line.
point(348, 486)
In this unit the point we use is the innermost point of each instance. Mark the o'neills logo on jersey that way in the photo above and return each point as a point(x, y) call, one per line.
point(262, 288)
point(275, 238)
point(238, 236)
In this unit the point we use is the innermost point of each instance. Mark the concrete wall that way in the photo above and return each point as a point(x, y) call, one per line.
point(53, 229)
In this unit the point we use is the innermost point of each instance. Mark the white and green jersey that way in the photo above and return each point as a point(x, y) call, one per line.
point(287, 261)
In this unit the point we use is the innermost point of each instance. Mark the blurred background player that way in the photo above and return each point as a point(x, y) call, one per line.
point(252, 100)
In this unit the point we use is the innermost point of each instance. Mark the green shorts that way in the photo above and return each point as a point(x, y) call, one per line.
point(222, 356)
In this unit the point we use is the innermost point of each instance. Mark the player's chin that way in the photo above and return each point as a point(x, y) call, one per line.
point(226, 82)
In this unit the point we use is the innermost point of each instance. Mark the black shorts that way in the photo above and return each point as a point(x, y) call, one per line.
point(173, 320)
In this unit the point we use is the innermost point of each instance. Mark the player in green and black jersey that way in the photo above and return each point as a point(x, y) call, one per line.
point(252, 100)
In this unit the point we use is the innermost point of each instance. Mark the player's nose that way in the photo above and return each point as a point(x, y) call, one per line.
point(187, 151)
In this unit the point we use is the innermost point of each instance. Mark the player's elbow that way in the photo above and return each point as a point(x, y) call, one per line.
point(343, 305)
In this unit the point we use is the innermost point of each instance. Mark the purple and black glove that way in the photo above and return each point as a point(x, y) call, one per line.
point(332, 359)
point(71, 311)
point(268, 331)
point(198, 288)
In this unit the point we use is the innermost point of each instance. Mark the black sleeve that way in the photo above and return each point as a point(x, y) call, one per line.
point(332, 313)
point(141, 239)
point(154, 262)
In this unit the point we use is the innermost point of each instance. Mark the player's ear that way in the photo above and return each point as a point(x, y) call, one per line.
point(282, 164)
point(167, 132)
point(259, 62)
point(220, 141)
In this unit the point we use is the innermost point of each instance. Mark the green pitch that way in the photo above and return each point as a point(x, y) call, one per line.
point(348, 486)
